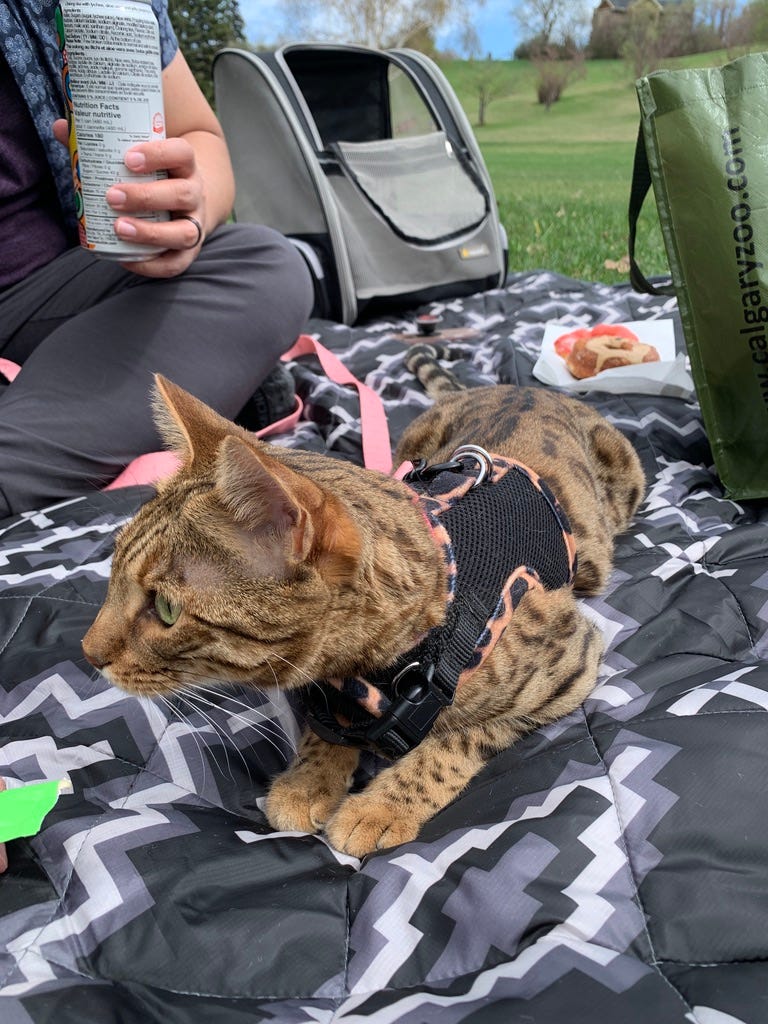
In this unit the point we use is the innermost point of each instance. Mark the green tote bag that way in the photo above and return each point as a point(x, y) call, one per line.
point(703, 145)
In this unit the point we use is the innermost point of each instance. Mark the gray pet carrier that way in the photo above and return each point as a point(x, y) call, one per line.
point(367, 162)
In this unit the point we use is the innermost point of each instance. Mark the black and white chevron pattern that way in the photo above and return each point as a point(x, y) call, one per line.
point(610, 867)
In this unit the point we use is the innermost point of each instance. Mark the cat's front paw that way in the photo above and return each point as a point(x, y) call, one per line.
point(365, 822)
point(294, 806)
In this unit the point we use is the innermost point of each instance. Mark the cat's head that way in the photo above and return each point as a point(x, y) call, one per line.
point(232, 572)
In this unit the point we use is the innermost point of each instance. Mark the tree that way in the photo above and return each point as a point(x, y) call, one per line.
point(554, 72)
point(552, 21)
point(489, 79)
point(718, 16)
point(553, 30)
point(378, 23)
point(643, 46)
point(607, 38)
point(652, 36)
point(203, 27)
point(752, 25)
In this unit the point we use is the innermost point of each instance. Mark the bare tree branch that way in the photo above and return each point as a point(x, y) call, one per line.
point(553, 21)
point(377, 23)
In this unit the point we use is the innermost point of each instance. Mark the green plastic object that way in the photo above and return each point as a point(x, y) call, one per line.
point(22, 810)
point(706, 138)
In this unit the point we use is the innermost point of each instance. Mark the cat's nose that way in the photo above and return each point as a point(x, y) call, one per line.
point(94, 660)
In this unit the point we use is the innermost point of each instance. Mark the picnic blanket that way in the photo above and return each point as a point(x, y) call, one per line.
point(611, 867)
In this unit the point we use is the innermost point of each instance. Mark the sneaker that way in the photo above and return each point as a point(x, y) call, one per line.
point(273, 400)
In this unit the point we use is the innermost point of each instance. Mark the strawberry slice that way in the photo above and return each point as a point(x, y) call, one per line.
point(613, 331)
point(565, 342)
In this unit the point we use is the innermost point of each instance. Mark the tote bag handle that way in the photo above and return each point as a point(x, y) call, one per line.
point(641, 183)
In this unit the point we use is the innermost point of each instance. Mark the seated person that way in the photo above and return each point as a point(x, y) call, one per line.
point(212, 312)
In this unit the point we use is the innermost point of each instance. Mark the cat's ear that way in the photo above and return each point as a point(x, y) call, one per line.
point(262, 494)
point(266, 497)
point(186, 425)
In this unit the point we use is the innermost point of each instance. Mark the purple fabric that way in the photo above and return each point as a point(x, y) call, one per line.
point(30, 216)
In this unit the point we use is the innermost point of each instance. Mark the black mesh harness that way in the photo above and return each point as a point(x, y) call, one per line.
point(501, 531)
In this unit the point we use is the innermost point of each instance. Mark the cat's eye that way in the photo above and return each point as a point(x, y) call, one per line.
point(167, 611)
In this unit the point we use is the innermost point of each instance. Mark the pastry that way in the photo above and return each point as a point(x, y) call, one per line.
point(588, 351)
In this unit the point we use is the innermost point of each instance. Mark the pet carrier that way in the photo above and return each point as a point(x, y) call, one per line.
point(367, 162)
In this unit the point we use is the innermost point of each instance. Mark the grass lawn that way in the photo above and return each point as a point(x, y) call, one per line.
point(562, 177)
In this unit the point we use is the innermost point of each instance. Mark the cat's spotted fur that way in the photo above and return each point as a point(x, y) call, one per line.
point(283, 566)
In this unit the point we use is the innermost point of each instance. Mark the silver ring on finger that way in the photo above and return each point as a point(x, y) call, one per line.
point(198, 225)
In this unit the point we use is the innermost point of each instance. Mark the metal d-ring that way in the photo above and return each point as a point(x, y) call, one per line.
point(481, 457)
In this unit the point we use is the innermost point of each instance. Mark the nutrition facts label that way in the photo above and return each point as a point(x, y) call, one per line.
point(113, 56)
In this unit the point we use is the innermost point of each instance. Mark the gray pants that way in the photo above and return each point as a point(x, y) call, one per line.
point(90, 335)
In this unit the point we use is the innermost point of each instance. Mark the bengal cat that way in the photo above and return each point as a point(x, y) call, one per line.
point(265, 565)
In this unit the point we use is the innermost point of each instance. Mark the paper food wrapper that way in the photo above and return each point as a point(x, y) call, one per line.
point(667, 377)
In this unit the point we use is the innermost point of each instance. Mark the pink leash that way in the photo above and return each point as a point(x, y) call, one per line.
point(154, 466)
point(9, 369)
point(377, 453)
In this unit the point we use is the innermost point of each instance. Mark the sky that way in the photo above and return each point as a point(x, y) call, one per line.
point(493, 21)
point(497, 29)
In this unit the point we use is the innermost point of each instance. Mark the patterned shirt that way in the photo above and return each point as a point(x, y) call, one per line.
point(28, 43)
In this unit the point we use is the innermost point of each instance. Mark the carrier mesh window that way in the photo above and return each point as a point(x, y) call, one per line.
point(346, 93)
point(408, 113)
point(358, 96)
point(418, 185)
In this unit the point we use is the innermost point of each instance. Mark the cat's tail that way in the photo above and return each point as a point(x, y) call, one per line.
point(423, 361)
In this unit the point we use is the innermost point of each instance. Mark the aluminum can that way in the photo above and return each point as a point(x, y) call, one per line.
point(111, 72)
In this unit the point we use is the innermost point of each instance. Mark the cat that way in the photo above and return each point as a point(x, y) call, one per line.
point(264, 565)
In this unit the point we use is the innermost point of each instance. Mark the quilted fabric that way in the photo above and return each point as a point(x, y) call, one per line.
point(609, 868)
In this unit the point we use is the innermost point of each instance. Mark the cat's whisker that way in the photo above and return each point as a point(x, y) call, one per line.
point(195, 693)
point(93, 679)
point(184, 721)
point(190, 671)
point(261, 728)
point(264, 693)
point(258, 728)
point(287, 735)
point(265, 720)
point(148, 702)
point(192, 698)
point(217, 731)
point(271, 668)
point(226, 694)
point(317, 685)
point(196, 734)
point(290, 664)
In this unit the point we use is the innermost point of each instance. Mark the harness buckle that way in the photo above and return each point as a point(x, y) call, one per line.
point(424, 472)
point(408, 720)
point(411, 682)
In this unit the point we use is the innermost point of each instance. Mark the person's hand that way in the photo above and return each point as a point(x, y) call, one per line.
point(181, 194)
